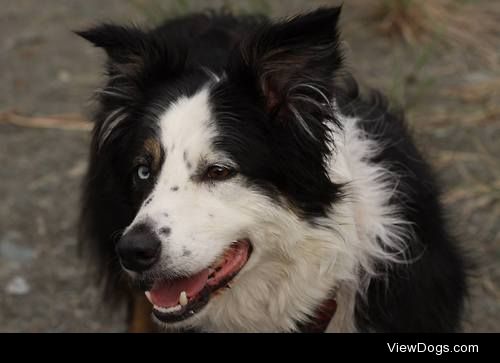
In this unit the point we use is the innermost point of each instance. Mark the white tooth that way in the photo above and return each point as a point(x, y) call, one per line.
point(148, 296)
point(183, 299)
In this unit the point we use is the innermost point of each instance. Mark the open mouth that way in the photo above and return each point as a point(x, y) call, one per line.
point(178, 299)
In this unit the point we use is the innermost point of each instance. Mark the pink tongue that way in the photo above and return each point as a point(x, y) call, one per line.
point(234, 259)
point(166, 293)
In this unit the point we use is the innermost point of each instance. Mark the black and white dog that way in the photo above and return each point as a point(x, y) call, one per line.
point(244, 185)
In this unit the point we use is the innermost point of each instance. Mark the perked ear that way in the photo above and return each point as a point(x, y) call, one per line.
point(125, 46)
point(133, 52)
point(292, 61)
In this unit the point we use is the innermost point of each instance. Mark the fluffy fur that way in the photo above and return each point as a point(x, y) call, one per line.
point(329, 188)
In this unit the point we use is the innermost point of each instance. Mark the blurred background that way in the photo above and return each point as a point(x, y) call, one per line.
point(436, 59)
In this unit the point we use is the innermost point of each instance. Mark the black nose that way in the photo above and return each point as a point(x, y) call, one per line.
point(139, 249)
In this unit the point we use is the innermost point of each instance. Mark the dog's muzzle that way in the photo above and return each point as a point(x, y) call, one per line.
point(139, 249)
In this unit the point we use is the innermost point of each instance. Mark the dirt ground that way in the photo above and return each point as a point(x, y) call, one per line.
point(451, 95)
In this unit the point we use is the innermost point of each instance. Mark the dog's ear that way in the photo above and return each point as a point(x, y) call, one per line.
point(291, 61)
point(125, 46)
point(134, 52)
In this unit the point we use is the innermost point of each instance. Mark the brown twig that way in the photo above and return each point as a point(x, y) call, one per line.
point(62, 122)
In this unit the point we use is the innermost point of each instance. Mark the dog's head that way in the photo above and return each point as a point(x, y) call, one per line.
point(204, 179)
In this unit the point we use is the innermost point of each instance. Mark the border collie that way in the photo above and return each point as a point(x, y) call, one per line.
point(240, 180)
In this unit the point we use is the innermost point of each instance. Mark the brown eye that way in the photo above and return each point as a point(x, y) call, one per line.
point(219, 172)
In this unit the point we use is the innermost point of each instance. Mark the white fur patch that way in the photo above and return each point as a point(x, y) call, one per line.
point(294, 265)
point(189, 208)
point(378, 225)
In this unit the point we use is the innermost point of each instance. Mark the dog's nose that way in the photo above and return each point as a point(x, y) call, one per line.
point(139, 249)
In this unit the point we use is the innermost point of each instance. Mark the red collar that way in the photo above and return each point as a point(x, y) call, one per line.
point(322, 318)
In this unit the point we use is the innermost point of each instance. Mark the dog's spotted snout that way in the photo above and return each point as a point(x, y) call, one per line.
point(139, 249)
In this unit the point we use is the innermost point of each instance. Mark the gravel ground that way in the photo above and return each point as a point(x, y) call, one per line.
point(46, 70)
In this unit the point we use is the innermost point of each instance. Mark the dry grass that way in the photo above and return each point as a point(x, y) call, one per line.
point(478, 100)
point(474, 193)
point(479, 116)
point(468, 25)
point(477, 92)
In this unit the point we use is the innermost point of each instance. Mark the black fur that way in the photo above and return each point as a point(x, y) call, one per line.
point(426, 295)
point(266, 67)
point(268, 78)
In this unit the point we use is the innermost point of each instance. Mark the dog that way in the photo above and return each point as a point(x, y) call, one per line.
point(240, 182)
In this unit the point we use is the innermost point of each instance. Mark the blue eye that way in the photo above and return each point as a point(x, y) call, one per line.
point(143, 172)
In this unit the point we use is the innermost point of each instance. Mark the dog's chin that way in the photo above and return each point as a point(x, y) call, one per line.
point(176, 300)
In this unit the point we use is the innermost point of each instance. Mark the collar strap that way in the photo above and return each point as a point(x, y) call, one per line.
point(321, 319)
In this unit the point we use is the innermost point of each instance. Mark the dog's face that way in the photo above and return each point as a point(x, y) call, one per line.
point(212, 179)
